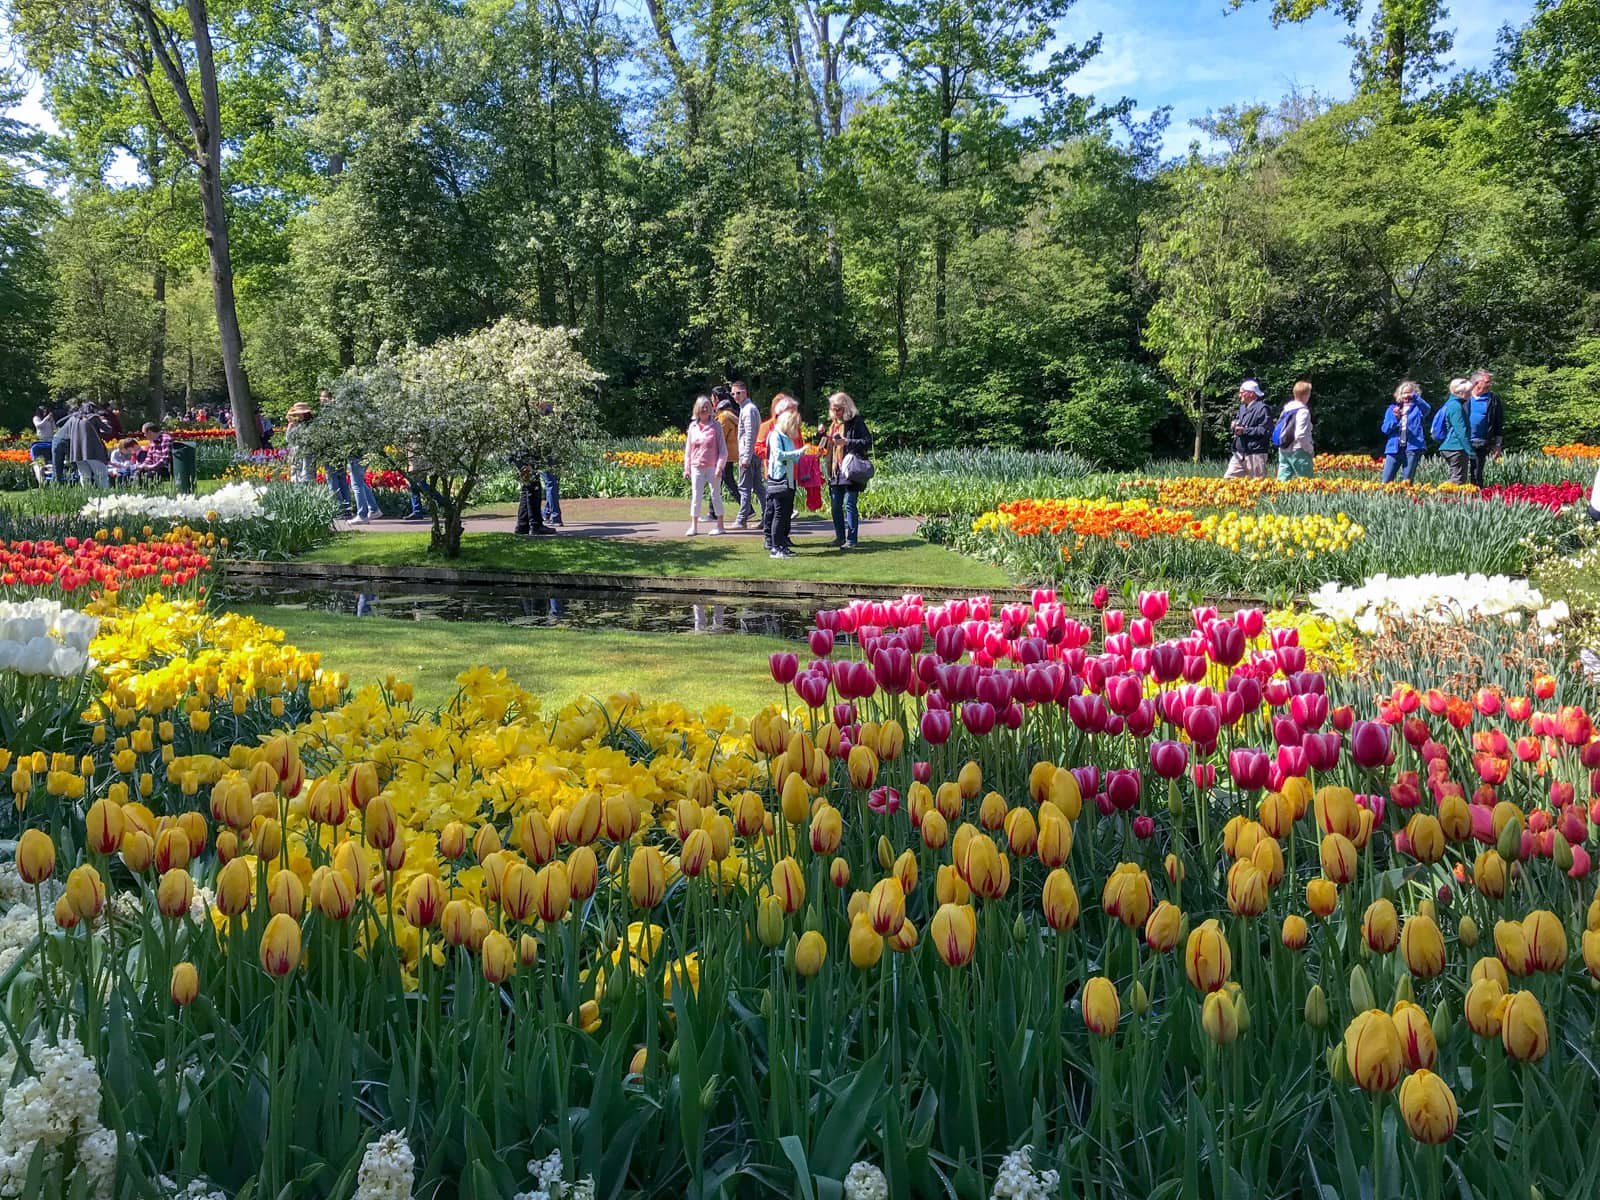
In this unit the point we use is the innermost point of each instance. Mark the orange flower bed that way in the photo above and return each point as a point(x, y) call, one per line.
point(1115, 519)
point(1210, 491)
point(1347, 462)
point(1573, 450)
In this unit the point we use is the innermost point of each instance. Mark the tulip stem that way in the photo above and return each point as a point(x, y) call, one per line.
point(1377, 1145)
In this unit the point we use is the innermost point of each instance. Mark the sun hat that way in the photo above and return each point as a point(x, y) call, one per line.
point(1250, 385)
point(300, 409)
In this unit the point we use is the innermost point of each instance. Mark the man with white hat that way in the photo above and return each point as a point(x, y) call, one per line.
point(1252, 435)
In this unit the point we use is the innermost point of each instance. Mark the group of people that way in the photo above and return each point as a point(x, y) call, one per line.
point(1468, 427)
point(86, 441)
point(763, 464)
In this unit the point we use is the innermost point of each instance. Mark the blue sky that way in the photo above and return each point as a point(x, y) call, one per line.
point(1195, 55)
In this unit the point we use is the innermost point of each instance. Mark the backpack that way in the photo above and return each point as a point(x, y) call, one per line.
point(1438, 429)
point(1281, 427)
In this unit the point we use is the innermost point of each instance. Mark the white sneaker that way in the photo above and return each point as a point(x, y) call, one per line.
point(715, 532)
point(359, 520)
point(691, 532)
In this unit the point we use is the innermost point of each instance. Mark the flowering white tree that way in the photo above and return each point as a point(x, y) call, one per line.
point(451, 411)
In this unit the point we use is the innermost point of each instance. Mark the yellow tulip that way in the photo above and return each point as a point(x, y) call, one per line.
point(970, 780)
point(185, 984)
point(810, 953)
point(1161, 929)
point(647, 877)
point(1511, 946)
point(1422, 946)
point(1591, 952)
point(696, 854)
point(827, 829)
point(982, 867)
point(1247, 889)
point(1372, 1050)
point(425, 901)
point(1489, 874)
point(839, 873)
point(532, 836)
point(1055, 836)
point(866, 945)
point(935, 829)
point(1022, 834)
point(287, 895)
point(175, 893)
point(1482, 1006)
point(1427, 837)
point(992, 811)
point(1417, 1045)
point(1065, 795)
point(583, 873)
point(103, 827)
point(583, 822)
point(85, 892)
point(1127, 895)
point(1547, 941)
point(1295, 934)
point(954, 932)
point(1102, 1009)
point(769, 921)
point(1207, 958)
point(1219, 1018)
point(1338, 855)
point(862, 766)
point(1380, 926)
point(1522, 1026)
point(886, 908)
point(788, 884)
point(36, 857)
point(334, 896)
point(280, 946)
point(499, 957)
point(1429, 1108)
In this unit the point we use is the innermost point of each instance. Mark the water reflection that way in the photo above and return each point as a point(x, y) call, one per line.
point(643, 612)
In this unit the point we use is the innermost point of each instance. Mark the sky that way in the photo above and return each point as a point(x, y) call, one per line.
point(1196, 56)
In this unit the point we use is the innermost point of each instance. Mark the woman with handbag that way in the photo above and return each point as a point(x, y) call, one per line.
point(848, 444)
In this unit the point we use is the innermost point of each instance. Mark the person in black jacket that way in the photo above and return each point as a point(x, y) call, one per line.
point(1252, 435)
point(845, 438)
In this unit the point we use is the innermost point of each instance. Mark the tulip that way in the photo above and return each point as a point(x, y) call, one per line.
point(175, 893)
point(954, 933)
point(103, 827)
point(950, 888)
point(499, 957)
point(85, 892)
point(425, 901)
point(583, 873)
point(1060, 900)
point(287, 895)
point(810, 954)
point(1247, 889)
point(1102, 1010)
point(1322, 896)
point(1591, 952)
point(866, 945)
point(280, 946)
point(66, 916)
point(647, 877)
point(1219, 1018)
point(1547, 941)
point(886, 907)
point(1522, 1026)
point(138, 851)
point(1163, 926)
point(185, 984)
point(1511, 947)
point(379, 824)
point(1417, 1044)
point(1429, 1108)
point(1489, 874)
point(1422, 946)
point(1380, 926)
point(1066, 794)
point(984, 868)
point(332, 893)
point(1482, 1006)
point(783, 667)
point(1369, 744)
point(1054, 838)
point(788, 884)
point(696, 852)
point(1169, 759)
point(769, 921)
point(1372, 1051)
point(1207, 958)
point(1295, 933)
point(36, 857)
point(1127, 895)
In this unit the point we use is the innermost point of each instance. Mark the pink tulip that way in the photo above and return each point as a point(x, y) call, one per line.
point(1369, 744)
point(1225, 641)
point(1248, 768)
point(978, 717)
point(1122, 788)
point(885, 801)
point(783, 666)
point(1144, 827)
point(1101, 596)
point(1153, 605)
point(1169, 758)
point(812, 688)
point(1112, 620)
point(936, 727)
point(821, 643)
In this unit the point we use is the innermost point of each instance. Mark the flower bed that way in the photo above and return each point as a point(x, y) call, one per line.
point(991, 877)
point(234, 502)
point(177, 562)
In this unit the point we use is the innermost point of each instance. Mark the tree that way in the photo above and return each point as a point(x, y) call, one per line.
point(1403, 50)
point(25, 212)
point(101, 342)
point(1213, 286)
point(455, 409)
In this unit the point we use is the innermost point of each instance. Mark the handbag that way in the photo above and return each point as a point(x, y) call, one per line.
point(856, 470)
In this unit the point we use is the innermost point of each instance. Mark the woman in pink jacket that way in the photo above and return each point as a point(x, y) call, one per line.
point(705, 454)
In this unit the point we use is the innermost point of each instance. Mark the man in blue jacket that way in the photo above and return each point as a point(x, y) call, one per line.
point(1485, 423)
point(1405, 425)
point(1252, 435)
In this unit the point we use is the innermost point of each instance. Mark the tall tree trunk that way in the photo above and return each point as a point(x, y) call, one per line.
point(1199, 426)
point(941, 241)
point(156, 391)
point(213, 205)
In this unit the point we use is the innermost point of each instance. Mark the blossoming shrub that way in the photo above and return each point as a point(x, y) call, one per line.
point(990, 877)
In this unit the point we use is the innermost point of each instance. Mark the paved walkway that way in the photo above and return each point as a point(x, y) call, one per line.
point(639, 519)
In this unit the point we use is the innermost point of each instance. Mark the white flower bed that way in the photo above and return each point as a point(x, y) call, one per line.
point(234, 502)
point(41, 637)
point(1441, 599)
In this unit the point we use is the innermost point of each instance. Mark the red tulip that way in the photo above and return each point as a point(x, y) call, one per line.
point(1122, 789)
point(1101, 596)
point(1169, 758)
point(1369, 744)
point(936, 727)
point(1248, 768)
point(783, 666)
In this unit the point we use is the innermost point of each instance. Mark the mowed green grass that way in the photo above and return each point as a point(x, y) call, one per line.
point(558, 665)
point(903, 560)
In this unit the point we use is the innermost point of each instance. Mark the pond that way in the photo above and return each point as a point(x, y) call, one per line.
point(646, 612)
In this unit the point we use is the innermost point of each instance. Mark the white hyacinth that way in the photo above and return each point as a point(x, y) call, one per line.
point(387, 1169)
point(197, 1189)
point(547, 1173)
point(865, 1182)
point(57, 1109)
point(234, 502)
point(1439, 599)
point(1019, 1181)
point(42, 637)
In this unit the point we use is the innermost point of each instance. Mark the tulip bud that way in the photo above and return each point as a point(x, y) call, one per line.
point(769, 921)
point(1102, 1010)
point(866, 945)
point(36, 857)
point(1361, 995)
point(185, 984)
point(1561, 853)
point(839, 873)
point(174, 894)
point(1442, 1022)
point(1509, 843)
point(1219, 1019)
point(499, 957)
point(1316, 1008)
point(1139, 999)
point(1295, 933)
point(811, 951)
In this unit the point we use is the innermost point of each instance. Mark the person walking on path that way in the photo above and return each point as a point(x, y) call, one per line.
point(1452, 429)
point(1252, 435)
point(727, 416)
point(1405, 425)
point(781, 403)
point(784, 449)
point(86, 446)
point(1293, 436)
point(749, 425)
point(1486, 419)
point(705, 454)
point(848, 445)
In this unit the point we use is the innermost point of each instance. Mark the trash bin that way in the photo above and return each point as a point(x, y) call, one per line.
point(183, 466)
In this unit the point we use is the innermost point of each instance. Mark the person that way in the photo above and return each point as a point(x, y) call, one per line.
point(727, 415)
point(847, 438)
point(302, 462)
point(748, 428)
point(1485, 423)
point(420, 484)
point(86, 446)
point(362, 496)
point(44, 432)
point(125, 460)
point(530, 500)
point(550, 479)
point(705, 454)
point(1454, 432)
point(783, 451)
point(781, 403)
point(60, 451)
point(1295, 452)
point(264, 427)
point(1405, 425)
point(1252, 435)
point(155, 461)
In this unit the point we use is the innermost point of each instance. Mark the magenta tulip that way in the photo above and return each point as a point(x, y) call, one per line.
point(1169, 758)
point(1166, 662)
point(1153, 605)
point(1369, 744)
point(978, 717)
point(784, 666)
point(1225, 642)
point(936, 727)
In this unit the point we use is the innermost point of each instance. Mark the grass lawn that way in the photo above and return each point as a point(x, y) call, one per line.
point(904, 560)
point(558, 665)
